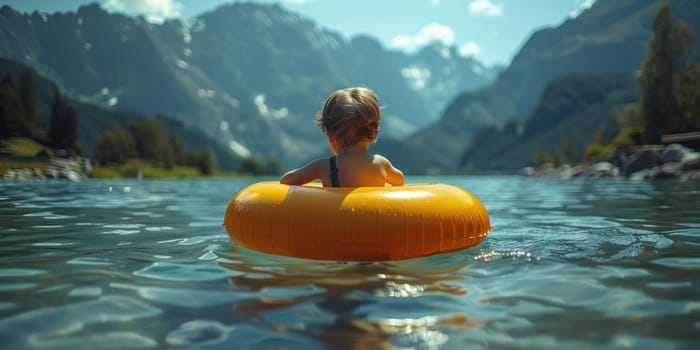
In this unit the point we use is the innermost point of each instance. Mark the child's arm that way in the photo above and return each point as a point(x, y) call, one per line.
point(393, 176)
point(305, 174)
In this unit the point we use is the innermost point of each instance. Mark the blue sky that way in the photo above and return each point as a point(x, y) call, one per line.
point(491, 30)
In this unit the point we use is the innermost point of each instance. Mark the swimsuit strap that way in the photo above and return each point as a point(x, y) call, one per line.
point(334, 173)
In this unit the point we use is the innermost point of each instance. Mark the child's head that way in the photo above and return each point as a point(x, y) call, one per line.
point(350, 116)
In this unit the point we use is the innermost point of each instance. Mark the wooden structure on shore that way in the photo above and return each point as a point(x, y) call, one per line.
point(688, 139)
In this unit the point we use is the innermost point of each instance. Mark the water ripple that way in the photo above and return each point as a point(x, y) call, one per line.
point(64, 327)
point(146, 264)
point(198, 298)
point(179, 272)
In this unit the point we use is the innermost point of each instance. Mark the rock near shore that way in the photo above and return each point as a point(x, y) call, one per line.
point(74, 169)
point(673, 161)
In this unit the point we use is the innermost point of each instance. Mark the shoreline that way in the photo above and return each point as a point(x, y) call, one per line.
point(78, 169)
point(647, 162)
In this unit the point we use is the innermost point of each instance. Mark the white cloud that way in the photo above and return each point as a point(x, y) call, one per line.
point(433, 32)
point(582, 5)
point(485, 8)
point(155, 11)
point(469, 49)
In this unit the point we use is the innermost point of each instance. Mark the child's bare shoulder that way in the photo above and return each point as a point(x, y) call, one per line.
point(318, 165)
point(380, 159)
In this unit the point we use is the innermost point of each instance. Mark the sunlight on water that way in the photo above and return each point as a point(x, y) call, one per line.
point(584, 264)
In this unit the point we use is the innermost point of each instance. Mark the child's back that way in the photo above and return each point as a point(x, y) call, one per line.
point(350, 119)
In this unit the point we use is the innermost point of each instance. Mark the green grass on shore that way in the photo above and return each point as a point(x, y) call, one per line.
point(22, 147)
point(145, 169)
point(21, 152)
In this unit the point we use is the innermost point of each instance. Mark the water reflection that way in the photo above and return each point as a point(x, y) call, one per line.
point(363, 305)
point(570, 264)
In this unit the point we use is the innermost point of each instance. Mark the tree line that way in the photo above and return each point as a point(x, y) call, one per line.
point(145, 140)
point(669, 87)
point(669, 81)
point(20, 115)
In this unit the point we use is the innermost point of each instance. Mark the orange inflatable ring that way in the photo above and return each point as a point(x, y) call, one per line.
point(356, 224)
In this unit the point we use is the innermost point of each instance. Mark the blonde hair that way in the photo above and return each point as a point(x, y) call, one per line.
point(350, 115)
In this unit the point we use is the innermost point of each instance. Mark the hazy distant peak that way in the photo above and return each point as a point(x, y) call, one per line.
point(91, 8)
point(6, 10)
point(253, 73)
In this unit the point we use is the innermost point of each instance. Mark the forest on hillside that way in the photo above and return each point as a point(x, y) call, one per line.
point(20, 116)
point(583, 117)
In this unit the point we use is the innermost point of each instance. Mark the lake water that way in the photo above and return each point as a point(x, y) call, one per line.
point(574, 264)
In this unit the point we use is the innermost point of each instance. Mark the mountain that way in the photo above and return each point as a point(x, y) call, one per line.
point(436, 71)
point(612, 37)
point(93, 118)
point(571, 110)
point(250, 76)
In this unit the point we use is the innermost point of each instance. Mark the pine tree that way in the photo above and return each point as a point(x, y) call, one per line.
point(148, 139)
point(12, 117)
point(204, 161)
point(107, 148)
point(178, 151)
point(63, 125)
point(71, 131)
point(662, 72)
point(689, 99)
point(114, 145)
point(252, 166)
point(55, 132)
point(166, 156)
point(36, 128)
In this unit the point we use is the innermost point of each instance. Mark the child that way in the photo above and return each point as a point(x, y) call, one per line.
point(350, 119)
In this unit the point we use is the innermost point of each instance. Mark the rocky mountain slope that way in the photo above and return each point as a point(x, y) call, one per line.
point(610, 38)
point(93, 118)
point(571, 110)
point(250, 76)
